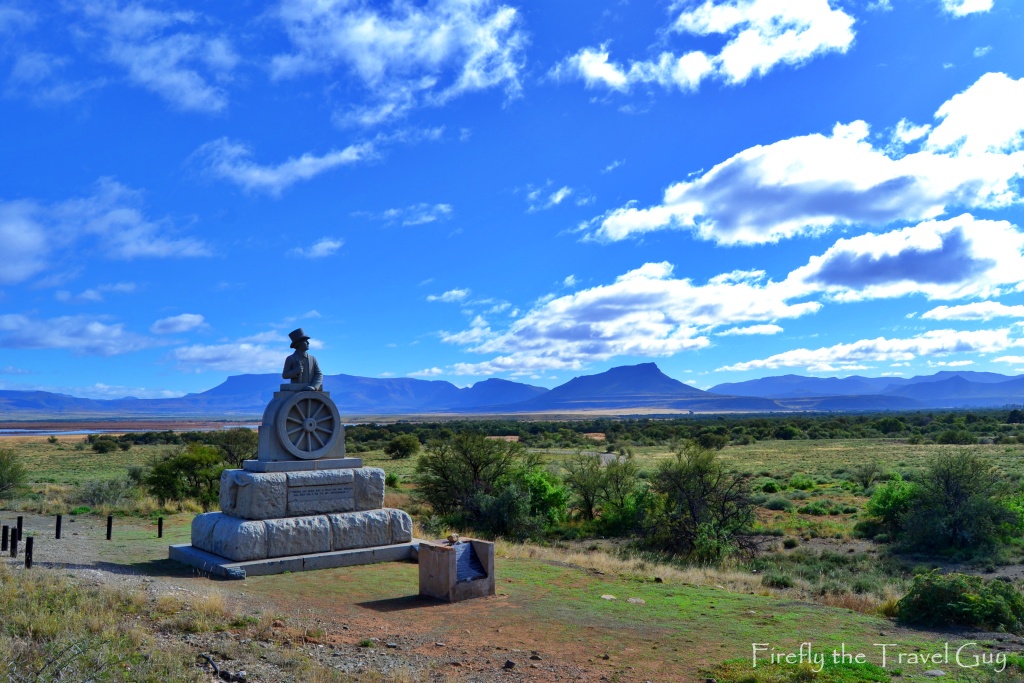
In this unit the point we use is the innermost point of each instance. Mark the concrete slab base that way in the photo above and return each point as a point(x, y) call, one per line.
point(301, 465)
point(228, 569)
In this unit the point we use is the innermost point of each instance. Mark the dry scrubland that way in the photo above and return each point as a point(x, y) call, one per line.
point(120, 609)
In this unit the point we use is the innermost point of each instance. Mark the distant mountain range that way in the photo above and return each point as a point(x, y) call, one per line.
point(630, 388)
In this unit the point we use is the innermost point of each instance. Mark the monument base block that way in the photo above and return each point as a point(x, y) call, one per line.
point(242, 540)
point(223, 567)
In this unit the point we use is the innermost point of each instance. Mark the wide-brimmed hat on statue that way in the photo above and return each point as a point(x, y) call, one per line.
point(297, 336)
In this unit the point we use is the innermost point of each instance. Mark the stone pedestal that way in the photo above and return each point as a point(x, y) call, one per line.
point(301, 504)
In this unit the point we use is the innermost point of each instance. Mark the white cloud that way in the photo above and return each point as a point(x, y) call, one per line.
point(1013, 360)
point(961, 8)
point(451, 296)
point(37, 236)
point(761, 34)
point(404, 54)
point(428, 372)
point(750, 330)
point(569, 281)
point(978, 310)
point(612, 166)
point(842, 356)
point(323, 247)
point(79, 334)
point(232, 161)
point(982, 51)
point(972, 158)
point(236, 357)
point(951, 259)
point(95, 294)
point(416, 214)
point(177, 323)
point(164, 53)
point(983, 119)
point(645, 312)
point(951, 363)
point(39, 76)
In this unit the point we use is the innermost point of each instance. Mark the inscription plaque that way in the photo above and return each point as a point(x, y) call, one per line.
point(324, 498)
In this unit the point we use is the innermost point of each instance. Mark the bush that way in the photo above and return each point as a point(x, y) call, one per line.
point(777, 580)
point(961, 600)
point(391, 479)
point(192, 473)
point(770, 487)
point(700, 508)
point(402, 446)
point(487, 485)
point(779, 503)
point(957, 436)
point(106, 492)
point(890, 502)
point(958, 505)
point(105, 444)
point(12, 472)
point(801, 482)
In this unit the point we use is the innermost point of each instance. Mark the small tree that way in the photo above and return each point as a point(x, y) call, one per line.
point(192, 473)
point(239, 444)
point(959, 504)
point(12, 472)
point(701, 509)
point(585, 478)
point(402, 446)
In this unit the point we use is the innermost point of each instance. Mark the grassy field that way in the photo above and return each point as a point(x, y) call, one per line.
point(585, 606)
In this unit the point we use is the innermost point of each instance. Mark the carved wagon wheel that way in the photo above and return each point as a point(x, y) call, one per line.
point(308, 425)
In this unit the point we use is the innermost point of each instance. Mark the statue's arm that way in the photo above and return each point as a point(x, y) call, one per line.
point(316, 377)
point(291, 368)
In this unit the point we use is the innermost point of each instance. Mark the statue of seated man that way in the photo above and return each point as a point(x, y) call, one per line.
point(300, 367)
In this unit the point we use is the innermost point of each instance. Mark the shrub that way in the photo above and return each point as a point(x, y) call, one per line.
point(391, 479)
point(961, 600)
point(790, 543)
point(779, 503)
point(890, 502)
point(957, 436)
point(106, 492)
point(12, 472)
point(801, 482)
point(192, 473)
point(958, 504)
point(402, 446)
point(770, 487)
point(777, 580)
point(699, 506)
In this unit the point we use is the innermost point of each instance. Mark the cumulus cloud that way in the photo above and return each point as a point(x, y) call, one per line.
point(961, 8)
point(841, 357)
point(233, 161)
point(951, 259)
point(427, 372)
point(645, 312)
point(37, 236)
point(404, 54)
point(236, 357)
point(82, 335)
point(177, 324)
point(760, 35)
point(164, 52)
point(978, 310)
point(323, 247)
point(451, 296)
point(972, 158)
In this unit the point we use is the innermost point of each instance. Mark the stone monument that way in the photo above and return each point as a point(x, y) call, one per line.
point(301, 504)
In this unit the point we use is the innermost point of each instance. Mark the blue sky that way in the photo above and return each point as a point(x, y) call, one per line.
point(461, 189)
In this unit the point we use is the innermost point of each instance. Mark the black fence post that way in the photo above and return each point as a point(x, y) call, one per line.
point(59, 519)
point(28, 552)
point(159, 527)
point(3, 538)
point(14, 545)
point(110, 526)
point(21, 527)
